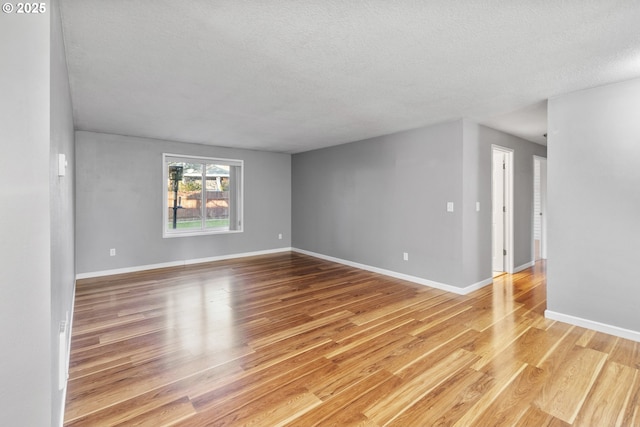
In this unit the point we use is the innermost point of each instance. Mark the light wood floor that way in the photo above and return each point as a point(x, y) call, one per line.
point(287, 339)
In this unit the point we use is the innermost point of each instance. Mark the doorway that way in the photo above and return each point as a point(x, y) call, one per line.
point(502, 209)
point(539, 208)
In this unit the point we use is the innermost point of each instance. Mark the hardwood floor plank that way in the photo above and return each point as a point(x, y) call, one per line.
point(558, 352)
point(361, 362)
point(497, 338)
point(284, 412)
point(532, 346)
point(396, 309)
point(585, 338)
point(565, 393)
point(296, 328)
point(368, 337)
point(239, 403)
point(288, 339)
point(536, 417)
point(632, 413)
point(608, 399)
point(167, 414)
point(448, 402)
point(490, 310)
point(511, 404)
point(342, 401)
point(297, 349)
point(88, 394)
point(257, 381)
point(417, 385)
point(147, 402)
point(626, 352)
point(354, 413)
point(443, 311)
point(503, 376)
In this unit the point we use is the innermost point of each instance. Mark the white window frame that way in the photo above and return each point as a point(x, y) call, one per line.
point(239, 198)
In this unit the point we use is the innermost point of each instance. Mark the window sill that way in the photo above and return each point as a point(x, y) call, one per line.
point(166, 235)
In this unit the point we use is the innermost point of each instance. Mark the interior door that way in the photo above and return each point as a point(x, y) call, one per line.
point(537, 210)
point(498, 210)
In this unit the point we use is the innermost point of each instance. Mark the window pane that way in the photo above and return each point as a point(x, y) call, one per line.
point(235, 198)
point(203, 196)
point(217, 195)
point(184, 195)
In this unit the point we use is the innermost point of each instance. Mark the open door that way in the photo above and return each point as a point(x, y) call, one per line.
point(498, 211)
point(502, 208)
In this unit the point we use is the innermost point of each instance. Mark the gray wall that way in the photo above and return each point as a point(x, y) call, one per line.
point(61, 205)
point(370, 201)
point(476, 187)
point(594, 204)
point(25, 229)
point(119, 203)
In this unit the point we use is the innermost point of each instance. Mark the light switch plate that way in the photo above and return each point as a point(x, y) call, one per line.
point(449, 206)
point(62, 165)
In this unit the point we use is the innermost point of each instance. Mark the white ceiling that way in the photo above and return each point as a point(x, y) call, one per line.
point(296, 75)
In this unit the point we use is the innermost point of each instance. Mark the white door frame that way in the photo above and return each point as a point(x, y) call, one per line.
point(508, 204)
point(543, 208)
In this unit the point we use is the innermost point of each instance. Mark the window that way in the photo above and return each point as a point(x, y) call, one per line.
point(201, 195)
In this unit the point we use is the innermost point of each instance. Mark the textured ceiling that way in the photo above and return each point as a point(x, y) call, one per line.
point(292, 76)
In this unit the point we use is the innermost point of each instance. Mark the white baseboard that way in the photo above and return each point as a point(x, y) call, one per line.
point(592, 324)
point(519, 268)
point(419, 280)
point(407, 277)
point(68, 355)
point(478, 285)
point(180, 263)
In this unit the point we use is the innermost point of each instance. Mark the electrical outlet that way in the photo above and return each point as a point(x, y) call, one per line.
point(280, 236)
point(112, 252)
point(449, 206)
point(405, 256)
